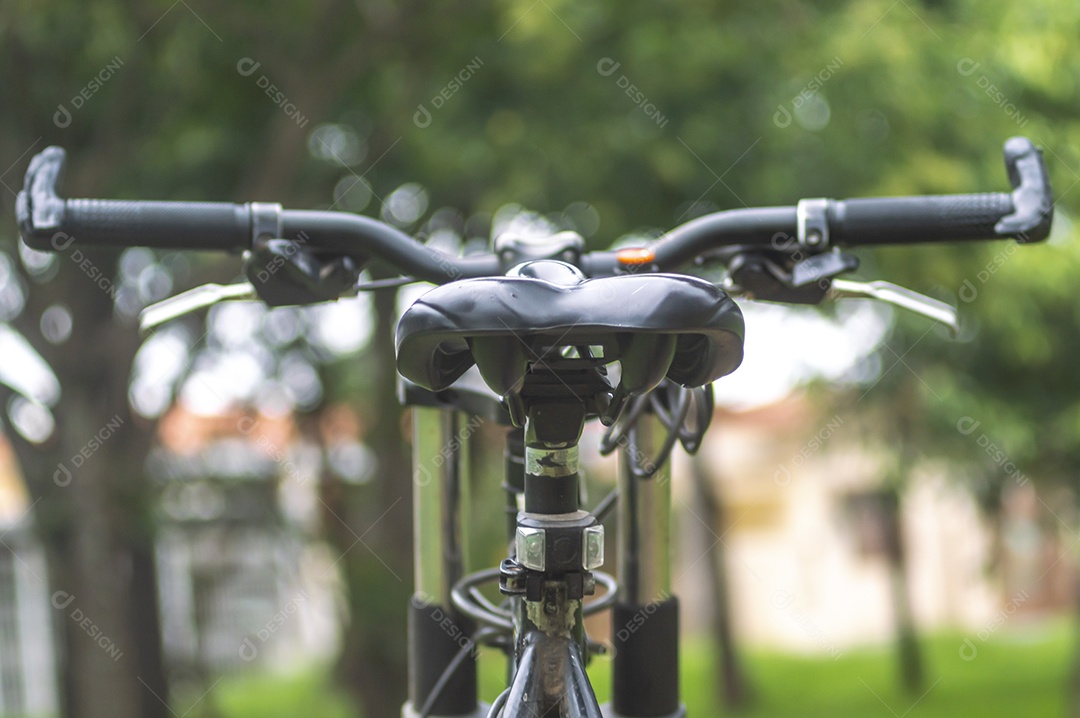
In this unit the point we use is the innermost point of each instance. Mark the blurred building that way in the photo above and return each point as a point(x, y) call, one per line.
point(244, 584)
point(804, 537)
point(244, 580)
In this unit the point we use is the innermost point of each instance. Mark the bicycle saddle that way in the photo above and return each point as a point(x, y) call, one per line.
point(654, 325)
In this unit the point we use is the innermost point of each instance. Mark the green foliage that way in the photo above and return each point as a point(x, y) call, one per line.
point(536, 121)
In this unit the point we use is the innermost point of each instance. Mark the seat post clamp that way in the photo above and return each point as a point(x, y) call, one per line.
point(811, 216)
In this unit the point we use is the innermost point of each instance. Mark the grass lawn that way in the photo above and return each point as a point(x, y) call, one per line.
point(1017, 673)
point(1011, 676)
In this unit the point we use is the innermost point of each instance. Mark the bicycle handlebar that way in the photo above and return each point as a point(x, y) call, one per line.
point(1024, 215)
point(48, 222)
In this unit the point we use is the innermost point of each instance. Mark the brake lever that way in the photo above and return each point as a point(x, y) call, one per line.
point(901, 297)
point(192, 301)
point(798, 278)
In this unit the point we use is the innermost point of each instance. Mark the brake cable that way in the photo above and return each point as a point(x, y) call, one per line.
point(691, 436)
point(624, 432)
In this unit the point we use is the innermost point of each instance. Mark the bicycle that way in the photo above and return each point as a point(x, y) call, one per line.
point(541, 336)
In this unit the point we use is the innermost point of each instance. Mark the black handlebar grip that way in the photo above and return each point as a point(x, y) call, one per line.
point(1025, 214)
point(161, 225)
point(909, 220)
point(49, 223)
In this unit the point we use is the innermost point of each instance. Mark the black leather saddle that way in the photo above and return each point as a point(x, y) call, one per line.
point(654, 325)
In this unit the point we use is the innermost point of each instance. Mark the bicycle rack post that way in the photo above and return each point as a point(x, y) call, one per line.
point(436, 631)
point(645, 621)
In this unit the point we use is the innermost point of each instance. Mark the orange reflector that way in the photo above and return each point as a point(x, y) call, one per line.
point(636, 255)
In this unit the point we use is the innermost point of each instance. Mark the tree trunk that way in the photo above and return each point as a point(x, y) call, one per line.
point(909, 416)
point(91, 506)
point(734, 687)
point(908, 654)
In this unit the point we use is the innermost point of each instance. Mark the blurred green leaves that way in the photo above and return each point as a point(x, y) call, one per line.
point(641, 109)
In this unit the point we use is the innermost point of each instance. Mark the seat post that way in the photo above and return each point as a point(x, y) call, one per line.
point(556, 546)
point(552, 432)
